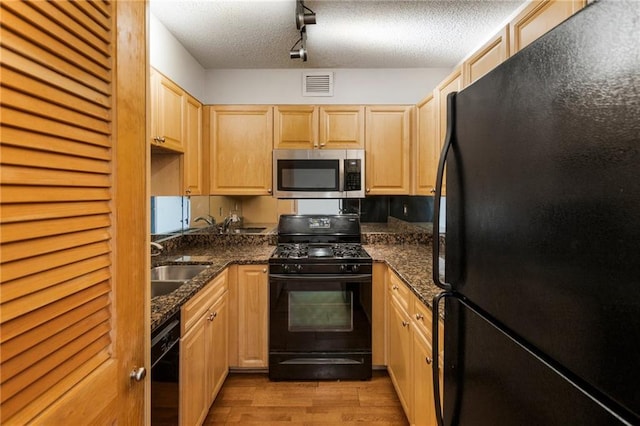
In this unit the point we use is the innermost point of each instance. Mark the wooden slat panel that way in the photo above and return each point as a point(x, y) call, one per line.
point(20, 342)
point(48, 160)
point(65, 29)
point(103, 6)
point(42, 316)
point(29, 393)
point(12, 175)
point(12, 232)
point(18, 100)
point(11, 117)
point(35, 282)
point(26, 267)
point(14, 346)
point(28, 139)
point(41, 211)
point(40, 48)
point(97, 373)
point(27, 257)
point(25, 194)
point(97, 16)
point(80, 83)
point(43, 90)
point(77, 14)
point(32, 302)
point(38, 349)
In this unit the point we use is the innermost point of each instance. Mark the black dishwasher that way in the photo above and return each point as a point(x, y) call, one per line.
point(165, 372)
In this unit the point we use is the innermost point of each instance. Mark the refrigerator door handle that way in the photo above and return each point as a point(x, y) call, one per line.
point(435, 365)
point(451, 118)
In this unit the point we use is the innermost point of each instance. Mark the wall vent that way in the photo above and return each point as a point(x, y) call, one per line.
point(317, 84)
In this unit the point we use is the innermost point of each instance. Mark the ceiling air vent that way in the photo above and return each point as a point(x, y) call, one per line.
point(317, 84)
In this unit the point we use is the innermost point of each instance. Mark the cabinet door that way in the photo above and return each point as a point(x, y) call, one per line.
point(427, 147)
point(194, 403)
point(295, 127)
point(538, 18)
point(342, 126)
point(241, 141)
point(489, 56)
point(453, 83)
point(166, 117)
point(253, 319)
point(399, 356)
point(388, 143)
point(217, 347)
point(193, 146)
point(423, 407)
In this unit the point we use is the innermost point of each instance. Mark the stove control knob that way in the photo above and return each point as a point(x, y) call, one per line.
point(355, 268)
point(298, 268)
point(343, 268)
point(286, 269)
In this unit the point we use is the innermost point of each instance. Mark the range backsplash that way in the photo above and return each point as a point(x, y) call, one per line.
point(379, 208)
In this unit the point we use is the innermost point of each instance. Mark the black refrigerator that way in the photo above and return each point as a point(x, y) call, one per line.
point(542, 265)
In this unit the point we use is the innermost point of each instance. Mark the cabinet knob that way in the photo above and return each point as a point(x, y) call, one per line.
point(269, 190)
point(433, 191)
point(138, 374)
point(419, 316)
point(211, 316)
point(428, 360)
point(405, 323)
point(264, 271)
point(188, 191)
point(323, 144)
point(315, 145)
point(368, 189)
point(394, 287)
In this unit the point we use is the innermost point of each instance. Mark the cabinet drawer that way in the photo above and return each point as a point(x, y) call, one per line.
point(200, 303)
point(421, 316)
point(399, 291)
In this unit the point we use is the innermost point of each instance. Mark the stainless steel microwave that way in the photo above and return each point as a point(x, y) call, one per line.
point(318, 173)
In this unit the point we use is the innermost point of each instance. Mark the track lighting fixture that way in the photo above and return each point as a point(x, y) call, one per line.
point(304, 15)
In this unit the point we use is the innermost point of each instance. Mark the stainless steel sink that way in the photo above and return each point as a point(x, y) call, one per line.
point(159, 288)
point(176, 272)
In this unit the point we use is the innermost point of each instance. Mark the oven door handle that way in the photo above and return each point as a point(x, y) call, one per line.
point(321, 277)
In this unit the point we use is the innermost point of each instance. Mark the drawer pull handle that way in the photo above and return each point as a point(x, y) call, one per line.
point(419, 317)
point(395, 287)
point(405, 323)
point(429, 360)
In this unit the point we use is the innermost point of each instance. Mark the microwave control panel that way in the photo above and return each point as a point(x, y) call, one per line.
point(352, 175)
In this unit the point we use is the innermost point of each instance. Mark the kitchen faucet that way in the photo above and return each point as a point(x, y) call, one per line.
point(158, 246)
point(210, 220)
point(225, 225)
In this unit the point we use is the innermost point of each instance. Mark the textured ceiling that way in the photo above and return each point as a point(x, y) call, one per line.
point(348, 33)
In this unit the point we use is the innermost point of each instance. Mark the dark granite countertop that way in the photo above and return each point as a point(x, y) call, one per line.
point(412, 263)
point(219, 257)
point(407, 252)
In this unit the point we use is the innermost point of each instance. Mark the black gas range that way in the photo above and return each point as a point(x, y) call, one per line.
point(320, 300)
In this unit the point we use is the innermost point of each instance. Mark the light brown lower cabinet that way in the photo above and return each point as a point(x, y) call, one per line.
point(204, 361)
point(409, 352)
point(249, 291)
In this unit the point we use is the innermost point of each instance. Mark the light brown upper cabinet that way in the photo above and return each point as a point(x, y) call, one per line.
point(167, 100)
point(240, 138)
point(490, 55)
point(453, 83)
point(539, 17)
point(342, 126)
point(192, 165)
point(318, 127)
point(388, 144)
point(427, 147)
point(295, 127)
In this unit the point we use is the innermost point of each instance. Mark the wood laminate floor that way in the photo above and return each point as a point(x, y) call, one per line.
point(253, 399)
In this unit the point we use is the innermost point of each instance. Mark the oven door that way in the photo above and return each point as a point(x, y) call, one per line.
point(320, 327)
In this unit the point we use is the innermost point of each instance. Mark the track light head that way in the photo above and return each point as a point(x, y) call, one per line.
point(299, 54)
point(304, 15)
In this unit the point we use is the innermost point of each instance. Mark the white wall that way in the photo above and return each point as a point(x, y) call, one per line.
point(351, 86)
point(168, 56)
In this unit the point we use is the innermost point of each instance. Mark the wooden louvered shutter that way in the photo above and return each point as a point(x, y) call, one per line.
point(58, 157)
